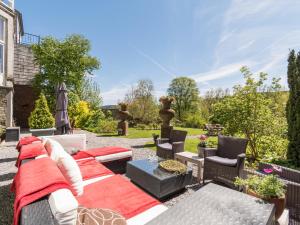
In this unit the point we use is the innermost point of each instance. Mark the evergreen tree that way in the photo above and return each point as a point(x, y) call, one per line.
point(293, 108)
point(40, 117)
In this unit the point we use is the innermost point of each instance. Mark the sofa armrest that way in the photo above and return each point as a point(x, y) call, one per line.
point(71, 142)
point(210, 152)
point(240, 161)
point(38, 212)
point(161, 141)
point(178, 146)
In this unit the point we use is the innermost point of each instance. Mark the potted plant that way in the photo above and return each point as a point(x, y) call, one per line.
point(269, 188)
point(41, 121)
point(203, 145)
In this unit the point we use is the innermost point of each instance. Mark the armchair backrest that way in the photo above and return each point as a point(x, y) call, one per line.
point(231, 147)
point(178, 135)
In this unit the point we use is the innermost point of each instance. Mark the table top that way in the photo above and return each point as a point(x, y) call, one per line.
point(189, 156)
point(217, 205)
point(151, 168)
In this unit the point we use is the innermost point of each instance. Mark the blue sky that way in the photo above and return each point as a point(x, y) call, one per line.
point(207, 40)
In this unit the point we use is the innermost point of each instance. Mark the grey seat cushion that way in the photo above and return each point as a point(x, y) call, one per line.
point(166, 146)
point(223, 161)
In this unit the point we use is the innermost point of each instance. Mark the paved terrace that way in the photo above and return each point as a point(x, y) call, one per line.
point(8, 156)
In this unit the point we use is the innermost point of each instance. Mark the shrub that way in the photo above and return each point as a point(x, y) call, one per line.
point(95, 117)
point(194, 121)
point(141, 126)
point(272, 148)
point(2, 132)
point(107, 126)
point(265, 187)
point(40, 117)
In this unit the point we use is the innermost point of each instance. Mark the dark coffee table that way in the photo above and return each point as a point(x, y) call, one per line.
point(158, 182)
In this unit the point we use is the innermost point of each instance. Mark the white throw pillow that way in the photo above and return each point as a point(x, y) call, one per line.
point(71, 172)
point(54, 149)
point(66, 164)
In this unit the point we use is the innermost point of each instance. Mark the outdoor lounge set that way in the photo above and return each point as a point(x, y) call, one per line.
point(63, 175)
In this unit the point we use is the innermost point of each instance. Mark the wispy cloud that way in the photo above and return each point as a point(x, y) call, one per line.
point(219, 73)
point(256, 30)
point(153, 61)
point(115, 94)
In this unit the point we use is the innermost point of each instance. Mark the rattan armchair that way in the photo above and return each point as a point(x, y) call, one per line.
point(225, 162)
point(167, 147)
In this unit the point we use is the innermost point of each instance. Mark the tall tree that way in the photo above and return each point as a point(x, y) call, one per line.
point(293, 108)
point(249, 112)
point(141, 102)
point(90, 92)
point(65, 60)
point(186, 94)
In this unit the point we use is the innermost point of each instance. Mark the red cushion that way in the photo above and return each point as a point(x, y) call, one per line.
point(30, 151)
point(118, 194)
point(90, 168)
point(94, 152)
point(26, 141)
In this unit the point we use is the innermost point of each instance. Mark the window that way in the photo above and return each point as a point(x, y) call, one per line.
point(2, 29)
point(2, 50)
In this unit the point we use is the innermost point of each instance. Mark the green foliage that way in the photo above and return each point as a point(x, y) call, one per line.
point(79, 112)
point(40, 117)
point(107, 126)
point(90, 92)
point(142, 104)
point(248, 112)
point(210, 98)
point(186, 94)
point(272, 148)
point(293, 108)
point(62, 61)
point(194, 121)
point(95, 117)
point(266, 187)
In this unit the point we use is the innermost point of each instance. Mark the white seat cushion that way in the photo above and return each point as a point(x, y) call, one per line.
point(147, 215)
point(114, 157)
point(63, 206)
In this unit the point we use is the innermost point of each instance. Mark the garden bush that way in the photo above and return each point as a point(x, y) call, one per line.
point(194, 121)
point(272, 148)
point(41, 117)
point(95, 117)
point(107, 126)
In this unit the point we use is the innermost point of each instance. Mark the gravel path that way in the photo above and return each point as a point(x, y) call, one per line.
point(8, 156)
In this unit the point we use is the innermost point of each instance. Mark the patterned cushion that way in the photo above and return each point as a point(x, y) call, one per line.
point(87, 216)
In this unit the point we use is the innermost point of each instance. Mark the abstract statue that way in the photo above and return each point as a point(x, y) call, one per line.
point(166, 114)
point(123, 115)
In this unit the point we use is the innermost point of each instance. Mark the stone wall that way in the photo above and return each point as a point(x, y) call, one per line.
point(3, 106)
point(24, 66)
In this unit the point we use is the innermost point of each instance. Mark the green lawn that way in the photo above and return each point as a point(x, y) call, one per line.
point(190, 144)
point(138, 133)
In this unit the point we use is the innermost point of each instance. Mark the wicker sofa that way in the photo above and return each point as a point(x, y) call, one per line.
point(42, 211)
